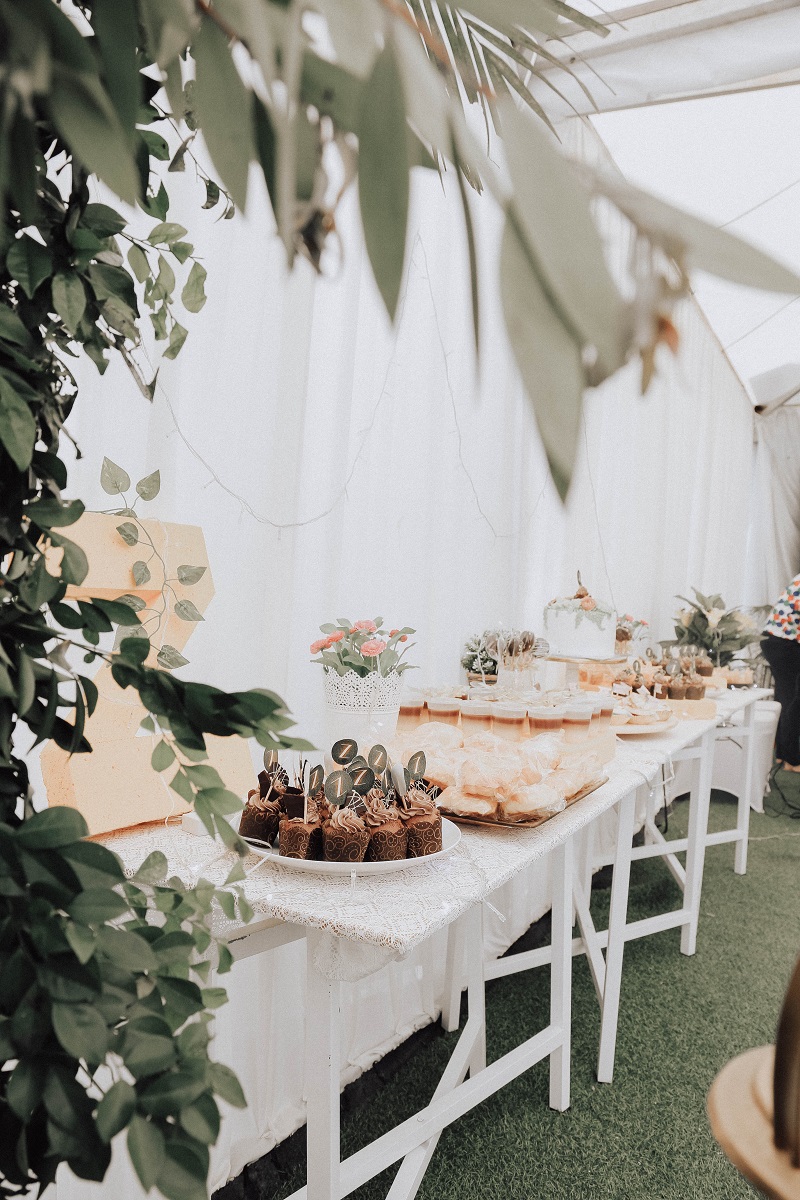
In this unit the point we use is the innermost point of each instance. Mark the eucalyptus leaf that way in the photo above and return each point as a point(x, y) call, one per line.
point(128, 531)
point(141, 572)
point(113, 479)
point(193, 294)
point(170, 658)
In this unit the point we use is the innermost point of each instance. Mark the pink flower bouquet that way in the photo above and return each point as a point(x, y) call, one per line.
point(362, 646)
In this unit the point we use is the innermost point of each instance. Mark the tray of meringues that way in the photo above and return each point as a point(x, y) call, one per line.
point(532, 822)
point(451, 836)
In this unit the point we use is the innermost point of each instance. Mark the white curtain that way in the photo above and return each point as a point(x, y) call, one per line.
point(773, 552)
point(339, 467)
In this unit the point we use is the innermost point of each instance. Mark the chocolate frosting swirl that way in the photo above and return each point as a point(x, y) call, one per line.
point(345, 818)
point(417, 804)
point(378, 811)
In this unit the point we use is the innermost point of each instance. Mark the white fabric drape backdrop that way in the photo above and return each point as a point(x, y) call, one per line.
point(773, 551)
point(339, 467)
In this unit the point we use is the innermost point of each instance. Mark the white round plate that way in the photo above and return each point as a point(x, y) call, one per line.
point(451, 836)
point(642, 730)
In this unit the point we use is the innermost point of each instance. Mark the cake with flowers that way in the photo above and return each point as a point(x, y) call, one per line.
point(579, 626)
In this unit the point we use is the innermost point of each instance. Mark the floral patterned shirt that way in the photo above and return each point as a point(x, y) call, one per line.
point(784, 620)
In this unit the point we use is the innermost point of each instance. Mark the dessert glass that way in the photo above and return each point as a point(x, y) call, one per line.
point(543, 719)
point(577, 719)
point(476, 717)
point(510, 721)
point(444, 710)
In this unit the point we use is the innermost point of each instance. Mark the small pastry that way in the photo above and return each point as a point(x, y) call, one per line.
point(388, 837)
point(695, 688)
point(299, 839)
point(703, 665)
point(677, 689)
point(259, 818)
point(455, 801)
point(345, 837)
point(423, 823)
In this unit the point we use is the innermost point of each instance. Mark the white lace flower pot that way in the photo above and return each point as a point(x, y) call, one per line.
point(362, 707)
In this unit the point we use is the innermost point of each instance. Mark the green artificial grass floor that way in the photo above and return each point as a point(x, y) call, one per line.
point(646, 1134)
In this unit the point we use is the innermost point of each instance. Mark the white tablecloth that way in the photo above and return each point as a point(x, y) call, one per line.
point(388, 940)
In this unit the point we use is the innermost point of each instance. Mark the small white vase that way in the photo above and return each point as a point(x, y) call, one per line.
point(362, 707)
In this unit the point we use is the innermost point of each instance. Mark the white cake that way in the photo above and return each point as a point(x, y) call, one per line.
point(580, 627)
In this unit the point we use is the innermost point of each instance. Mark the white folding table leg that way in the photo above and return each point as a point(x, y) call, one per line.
point(696, 849)
point(322, 1070)
point(476, 987)
point(453, 976)
point(561, 973)
point(617, 920)
point(746, 795)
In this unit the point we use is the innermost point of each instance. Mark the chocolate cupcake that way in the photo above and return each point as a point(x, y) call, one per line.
point(661, 682)
point(259, 818)
point(695, 688)
point(388, 837)
point(345, 837)
point(677, 689)
point(704, 666)
point(423, 823)
point(299, 839)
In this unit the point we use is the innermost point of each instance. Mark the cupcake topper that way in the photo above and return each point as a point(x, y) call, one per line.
point(344, 751)
point(270, 760)
point(337, 786)
point(355, 763)
point(398, 774)
point(417, 764)
point(378, 758)
point(363, 779)
point(316, 779)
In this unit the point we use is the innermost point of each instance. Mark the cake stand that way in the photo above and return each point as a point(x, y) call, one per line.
point(573, 673)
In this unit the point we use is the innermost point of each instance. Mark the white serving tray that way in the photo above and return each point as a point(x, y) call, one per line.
point(451, 836)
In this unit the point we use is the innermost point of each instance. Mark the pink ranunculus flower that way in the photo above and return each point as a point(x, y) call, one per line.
point(373, 648)
point(587, 603)
point(319, 645)
point(365, 627)
point(335, 637)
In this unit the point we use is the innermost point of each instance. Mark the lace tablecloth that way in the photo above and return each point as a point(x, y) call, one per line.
point(393, 913)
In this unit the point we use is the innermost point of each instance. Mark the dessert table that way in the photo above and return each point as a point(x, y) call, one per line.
point(353, 937)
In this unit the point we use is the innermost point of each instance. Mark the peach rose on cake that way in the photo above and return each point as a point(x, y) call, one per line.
point(587, 603)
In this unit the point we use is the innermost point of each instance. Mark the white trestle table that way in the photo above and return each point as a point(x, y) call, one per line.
point(354, 926)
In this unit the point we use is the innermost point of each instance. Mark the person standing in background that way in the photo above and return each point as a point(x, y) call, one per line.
point(781, 649)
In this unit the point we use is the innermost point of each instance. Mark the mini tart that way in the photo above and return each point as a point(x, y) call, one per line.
point(345, 837)
point(259, 818)
point(300, 839)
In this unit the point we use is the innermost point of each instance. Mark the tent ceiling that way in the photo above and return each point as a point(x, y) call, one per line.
point(669, 50)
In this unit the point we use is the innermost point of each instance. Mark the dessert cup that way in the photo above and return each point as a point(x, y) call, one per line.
point(410, 715)
point(476, 717)
point(259, 819)
point(510, 722)
point(345, 837)
point(424, 834)
point(545, 720)
point(387, 841)
point(299, 839)
point(444, 710)
point(577, 720)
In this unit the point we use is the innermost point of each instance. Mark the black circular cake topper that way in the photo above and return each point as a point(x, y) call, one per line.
point(363, 779)
point(378, 758)
point(355, 763)
point(344, 751)
point(417, 764)
point(337, 786)
point(270, 759)
point(315, 779)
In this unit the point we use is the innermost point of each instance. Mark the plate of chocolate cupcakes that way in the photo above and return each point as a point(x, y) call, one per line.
point(368, 816)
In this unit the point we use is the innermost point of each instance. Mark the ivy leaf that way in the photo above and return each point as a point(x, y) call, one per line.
point(187, 611)
point(113, 479)
point(134, 602)
point(193, 294)
point(141, 572)
point(177, 336)
point(226, 1085)
point(149, 487)
point(212, 194)
point(52, 828)
point(139, 264)
point(49, 513)
point(69, 299)
point(146, 1148)
point(128, 531)
point(170, 658)
point(165, 233)
point(383, 177)
point(17, 426)
point(188, 575)
point(29, 262)
point(181, 250)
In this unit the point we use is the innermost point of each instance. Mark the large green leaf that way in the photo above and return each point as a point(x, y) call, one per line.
point(84, 116)
point(115, 1109)
point(383, 177)
point(693, 242)
point(17, 426)
point(69, 299)
point(116, 27)
point(169, 25)
point(81, 1031)
point(54, 827)
point(146, 1148)
point(549, 360)
point(29, 262)
point(193, 294)
point(223, 109)
point(564, 245)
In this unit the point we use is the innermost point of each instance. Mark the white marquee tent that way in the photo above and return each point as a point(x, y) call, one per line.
point(340, 466)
